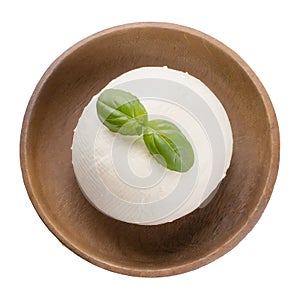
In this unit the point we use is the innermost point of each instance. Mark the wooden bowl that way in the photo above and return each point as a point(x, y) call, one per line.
point(194, 240)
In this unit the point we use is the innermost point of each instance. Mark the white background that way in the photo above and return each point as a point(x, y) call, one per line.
point(34, 264)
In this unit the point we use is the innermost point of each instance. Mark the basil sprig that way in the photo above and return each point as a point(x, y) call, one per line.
point(123, 112)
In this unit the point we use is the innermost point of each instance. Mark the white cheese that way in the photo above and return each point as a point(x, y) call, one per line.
point(119, 176)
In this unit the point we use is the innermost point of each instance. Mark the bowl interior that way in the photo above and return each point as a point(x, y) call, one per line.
point(192, 241)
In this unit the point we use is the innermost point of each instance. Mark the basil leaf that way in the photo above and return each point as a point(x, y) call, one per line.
point(168, 145)
point(121, 112)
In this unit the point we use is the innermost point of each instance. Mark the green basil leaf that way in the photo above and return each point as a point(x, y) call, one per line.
point(121, 112)
point(168, 145)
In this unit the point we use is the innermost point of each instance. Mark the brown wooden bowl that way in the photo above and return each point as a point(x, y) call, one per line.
point(168, 249)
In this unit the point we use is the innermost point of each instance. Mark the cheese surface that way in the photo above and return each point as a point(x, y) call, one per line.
point(118, 175)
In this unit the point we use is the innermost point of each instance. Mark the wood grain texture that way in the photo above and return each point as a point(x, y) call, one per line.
point(168, 249)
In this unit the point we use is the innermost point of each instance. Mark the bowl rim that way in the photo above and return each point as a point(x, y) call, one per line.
point(228, 244)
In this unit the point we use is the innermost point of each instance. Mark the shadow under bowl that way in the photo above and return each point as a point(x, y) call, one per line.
point(194, 240)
